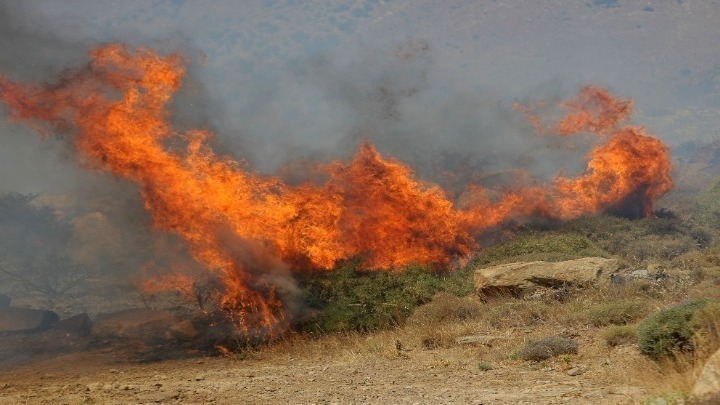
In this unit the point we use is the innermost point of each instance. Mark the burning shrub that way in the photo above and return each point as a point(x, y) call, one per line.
point(244, 226)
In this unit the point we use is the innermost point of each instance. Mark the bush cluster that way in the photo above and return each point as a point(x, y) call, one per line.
point(548, 347)
point(618, 312)
point(350, 299)
point(675, 329)
point(550, 246)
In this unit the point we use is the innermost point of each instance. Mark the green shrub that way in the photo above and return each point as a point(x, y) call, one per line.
point(349, 299)
point(616, 312)
point(547, 246)
point(670, 330)
point(617, 335)
point(548, 347)
point(661, 238)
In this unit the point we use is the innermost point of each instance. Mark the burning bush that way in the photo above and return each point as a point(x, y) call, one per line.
point(248, 229)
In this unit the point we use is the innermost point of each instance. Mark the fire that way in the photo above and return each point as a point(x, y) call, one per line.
point(241, 227)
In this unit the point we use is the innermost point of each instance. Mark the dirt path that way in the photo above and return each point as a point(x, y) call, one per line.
point(415, 377)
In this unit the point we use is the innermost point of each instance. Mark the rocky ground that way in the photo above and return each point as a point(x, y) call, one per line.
point(159, 356)
point(299, 372)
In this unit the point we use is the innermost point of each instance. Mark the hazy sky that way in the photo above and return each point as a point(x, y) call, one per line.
point(280, 80)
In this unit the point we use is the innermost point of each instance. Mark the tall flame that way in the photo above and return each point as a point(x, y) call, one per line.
point(239, 225)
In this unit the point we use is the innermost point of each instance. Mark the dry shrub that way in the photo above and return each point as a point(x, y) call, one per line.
point(446, 307)
point(697, 259)
point(619, 312)
point(517, 313)
point(548, 347)
point(617, 335)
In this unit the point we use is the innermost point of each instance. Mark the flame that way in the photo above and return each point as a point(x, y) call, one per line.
point(241, 226)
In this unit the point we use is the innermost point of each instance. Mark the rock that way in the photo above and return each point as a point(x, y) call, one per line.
point(26, 320)
point(519, 279)
point(183, 330)
point(4, 301)
point(574, 371)
point(482, 339)
point(80, 324)
point(708, 383)
point(138, 323)
point(640, 274)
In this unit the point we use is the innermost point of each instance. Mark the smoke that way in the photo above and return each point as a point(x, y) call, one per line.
point(319, 107)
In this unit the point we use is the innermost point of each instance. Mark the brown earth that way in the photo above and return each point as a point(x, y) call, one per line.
point(335, 369)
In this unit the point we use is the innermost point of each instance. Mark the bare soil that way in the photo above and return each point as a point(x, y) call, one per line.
point(333, 369)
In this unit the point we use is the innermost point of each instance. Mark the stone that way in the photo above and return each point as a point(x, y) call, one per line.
point(708, 383)
point(80, 324)
point(575, 371)
point(4, 301)
point(519, 279)
point(640, 274)
point(139, 323)
point(473, 339)
point(26, 320)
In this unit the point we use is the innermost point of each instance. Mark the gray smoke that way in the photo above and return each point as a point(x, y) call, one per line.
point(430, 83)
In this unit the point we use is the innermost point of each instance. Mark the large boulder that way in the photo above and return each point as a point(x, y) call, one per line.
point(26, 320)
point(137, 323)
point(707, 385)
point(518, 279)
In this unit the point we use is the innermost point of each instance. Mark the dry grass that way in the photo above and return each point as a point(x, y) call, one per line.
point(601, 319)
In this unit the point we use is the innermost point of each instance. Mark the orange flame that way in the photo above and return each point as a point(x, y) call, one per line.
point(237, 223)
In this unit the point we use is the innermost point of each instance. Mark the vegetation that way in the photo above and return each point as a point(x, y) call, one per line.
point(672, 330)
point(532, 245)
point(547, 347)
point(350, 299)
point(617, 335)
point(619, 312)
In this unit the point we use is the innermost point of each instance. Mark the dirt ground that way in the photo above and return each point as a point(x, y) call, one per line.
point(342, 370)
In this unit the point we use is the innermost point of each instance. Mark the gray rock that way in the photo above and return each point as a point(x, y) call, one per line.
point(574, 371)
point(520, 279)
point(473, 339)
point(640, 274)
point(26, 320)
